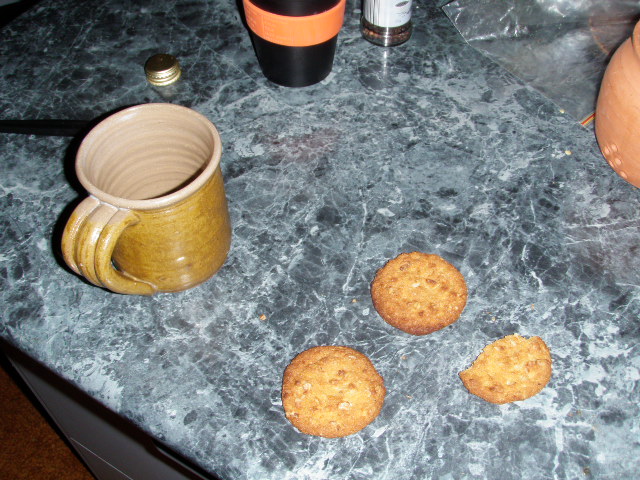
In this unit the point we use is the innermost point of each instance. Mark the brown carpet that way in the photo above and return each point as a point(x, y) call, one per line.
point(30, 448)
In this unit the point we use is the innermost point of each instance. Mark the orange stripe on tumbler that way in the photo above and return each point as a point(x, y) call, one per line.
point(295, 31)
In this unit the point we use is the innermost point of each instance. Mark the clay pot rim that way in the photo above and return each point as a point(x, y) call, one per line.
point(635, 39)
point(165, 200)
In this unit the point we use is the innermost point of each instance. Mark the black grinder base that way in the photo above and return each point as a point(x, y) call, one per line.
point(295, 66)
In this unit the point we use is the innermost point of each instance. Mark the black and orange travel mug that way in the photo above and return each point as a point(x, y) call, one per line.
point(295, 40)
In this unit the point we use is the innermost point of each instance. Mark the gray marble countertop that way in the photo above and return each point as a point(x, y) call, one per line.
point(428, 146)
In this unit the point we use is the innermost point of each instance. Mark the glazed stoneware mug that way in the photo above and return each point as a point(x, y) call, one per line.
point(156, 218)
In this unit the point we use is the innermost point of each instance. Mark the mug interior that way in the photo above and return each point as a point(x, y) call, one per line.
point(146, 155)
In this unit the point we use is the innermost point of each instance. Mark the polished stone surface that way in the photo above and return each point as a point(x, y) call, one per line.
point(428, 146)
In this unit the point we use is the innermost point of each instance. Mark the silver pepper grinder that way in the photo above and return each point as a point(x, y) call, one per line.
point(386, 22)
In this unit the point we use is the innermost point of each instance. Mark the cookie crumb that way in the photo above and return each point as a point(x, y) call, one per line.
point(263, 317)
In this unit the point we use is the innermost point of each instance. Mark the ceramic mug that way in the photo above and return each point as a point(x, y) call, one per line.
point(156, 218)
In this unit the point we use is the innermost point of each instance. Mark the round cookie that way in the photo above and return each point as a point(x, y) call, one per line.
point(419, 293)
point(331, 391)
point(510, 369)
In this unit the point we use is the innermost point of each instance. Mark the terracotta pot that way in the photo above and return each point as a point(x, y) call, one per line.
point(618, 110)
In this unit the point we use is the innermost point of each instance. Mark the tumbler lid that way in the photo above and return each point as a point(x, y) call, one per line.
point(162, 69)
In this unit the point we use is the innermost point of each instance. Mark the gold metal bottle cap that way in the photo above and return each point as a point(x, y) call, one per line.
point(162, 69)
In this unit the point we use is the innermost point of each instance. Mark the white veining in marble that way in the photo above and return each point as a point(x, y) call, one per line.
point(428, 146)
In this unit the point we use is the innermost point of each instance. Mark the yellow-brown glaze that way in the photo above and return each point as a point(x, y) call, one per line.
point(156, 218)
point(181, 246)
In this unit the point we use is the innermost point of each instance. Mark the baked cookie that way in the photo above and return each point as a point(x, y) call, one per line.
point(331, 391)
point(510, 369)
point(419, 293)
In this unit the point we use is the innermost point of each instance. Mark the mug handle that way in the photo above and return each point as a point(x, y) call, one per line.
point(88, 241)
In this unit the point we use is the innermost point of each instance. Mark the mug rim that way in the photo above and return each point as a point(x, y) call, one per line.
point(157, 202)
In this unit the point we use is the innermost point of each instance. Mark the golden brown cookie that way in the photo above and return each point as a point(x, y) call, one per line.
point(419, 293)
point(331, 391)
point(510, 369)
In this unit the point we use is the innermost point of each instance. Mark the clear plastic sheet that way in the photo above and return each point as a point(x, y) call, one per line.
point(559, 47)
